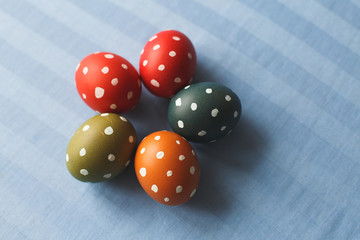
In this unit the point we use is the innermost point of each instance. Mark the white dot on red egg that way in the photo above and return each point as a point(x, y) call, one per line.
point(181, 157)
point(129, 95)
point(99, 92)
point(124, 66)
point(160, 155)
point(152, 38)
point(155, 83)
point(154, 188)
point(105, 70)
point(109, 56)
point(156, 47)
point(77, 67)
point(179, 189)
point(193, 193)
point(166, 199)
point(177, 142)
point(113, 106)
point(145, 62)
point(176, 38)
point(172, 53)
point(177, 80)
point(189, 55)
point(114, 81)
point(85, 70)
point(142, 51)
point(169, 173)
point(84, 96)
point(161, 67)
point(192, 170)
point(193, 152)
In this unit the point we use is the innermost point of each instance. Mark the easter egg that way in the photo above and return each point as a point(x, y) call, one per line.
point(167, 63)
point(101, 148)
point(107, 82)
point(204, 112)
point(167, 168)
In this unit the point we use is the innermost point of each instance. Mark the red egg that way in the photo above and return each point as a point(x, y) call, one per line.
point(167, 168)
point(167, 63)
point(108, 83)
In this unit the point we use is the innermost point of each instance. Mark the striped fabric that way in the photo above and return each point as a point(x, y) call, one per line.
point(290, 170)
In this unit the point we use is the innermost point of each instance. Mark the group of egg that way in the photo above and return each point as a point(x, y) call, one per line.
point(165, 163)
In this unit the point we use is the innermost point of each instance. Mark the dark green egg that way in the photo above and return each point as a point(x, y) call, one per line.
point(101, 148)
point(204, 112)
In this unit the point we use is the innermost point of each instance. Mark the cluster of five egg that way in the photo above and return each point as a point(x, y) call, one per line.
point(165, 163)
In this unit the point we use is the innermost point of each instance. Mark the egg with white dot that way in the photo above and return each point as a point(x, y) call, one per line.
point(100, 148)
point(204, 112)
point(167, 170)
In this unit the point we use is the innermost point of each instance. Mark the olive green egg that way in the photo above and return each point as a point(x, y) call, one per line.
point(101, 148)
point(204, 112)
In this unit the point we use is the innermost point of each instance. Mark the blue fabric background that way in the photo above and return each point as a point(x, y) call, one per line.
point(290, 170)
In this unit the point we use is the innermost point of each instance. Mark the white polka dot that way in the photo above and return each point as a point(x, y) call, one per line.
point(124, 66)
point(113, 106)
point(227, 98)
point(176, 38)
point(178, 102)
point(223, 128)
point(142, 172)
point(193, 152)
point(67, 157)
point(85, 70)
point(99, 92)
point(85, 128)
point(181, 124)
point(142, 150)
point(161, 67)
point(181, 157)
point(123, 119)
point(166, 199)
point(152, 38)
point(127, 163)
point(172, 53)
point(145, 62)
point(84, 96)
point(142, 51)
point(157, 138)
point(177, 141)
point(213, 141)
point(82, 152)
point(155, 83)
point(104, 114)
point(154, 188)
point(114, 81)
point(177, 80)
point(169, 173)
point(131, 139)
point(77, 67)
point(179, 189)
point(108, 175)
point(109, 130)
point(84, 172)
point(236, 114)
point(214, 112)
point(105, 70)
point(202, 133)
point(156, 47)
point(160, 155)
point(109, 56)
point(189, 55)
point(193, 106)
point(187, 87)
point(111, 157)
point(208, 90)
point(129, 95)
point(192, 170)
point(193, 193)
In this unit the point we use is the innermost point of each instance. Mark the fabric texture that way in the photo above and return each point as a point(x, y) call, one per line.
point(290, 169)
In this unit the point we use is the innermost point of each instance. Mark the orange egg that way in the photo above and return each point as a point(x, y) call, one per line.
point(167, 168)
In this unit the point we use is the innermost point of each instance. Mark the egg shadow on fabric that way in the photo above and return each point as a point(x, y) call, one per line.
point(224, 164)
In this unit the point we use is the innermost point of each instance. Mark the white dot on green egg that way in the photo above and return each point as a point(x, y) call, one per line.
point(111, 157)
point(187, 87)
point(142, 172)
point(123, 119)
point(131, 139)
point(214, 112)
point(192, 170)
point(202, 133)
point(160, 155)
point(85, 128)
point(236, 114)
point(67, 157)
point(84, 172)
point(154, 188)
point(208, 90)
point(193, 193)
point(178, 102)
point(179, 189)
point(104, 114)
point(109, 130)
point(193, 106)
point(82, 152)
point(180, 124)
point(181, 157)
point(228, 98)
point(108, 175)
